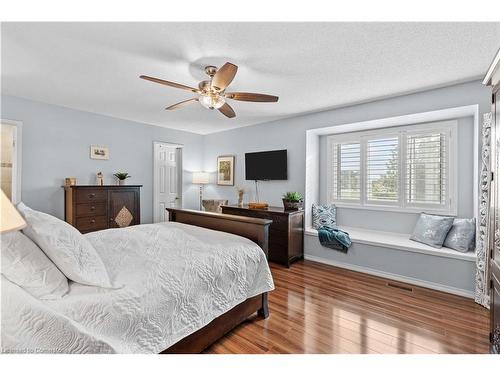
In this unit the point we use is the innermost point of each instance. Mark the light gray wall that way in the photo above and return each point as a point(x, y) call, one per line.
point(290, 134)
point(56, 142)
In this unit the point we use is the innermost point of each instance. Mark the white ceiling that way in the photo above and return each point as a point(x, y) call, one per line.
point(311, 66)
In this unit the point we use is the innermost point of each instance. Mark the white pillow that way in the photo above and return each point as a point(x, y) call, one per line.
point(25, 264)
point(70, 251)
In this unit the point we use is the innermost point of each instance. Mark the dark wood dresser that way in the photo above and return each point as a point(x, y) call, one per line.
point(286, 234)
point(89, 208)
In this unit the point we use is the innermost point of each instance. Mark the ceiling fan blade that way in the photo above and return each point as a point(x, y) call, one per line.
point(181, 104)
point(227, 111)
point(168, 83)
point(251, 97)
point(224, 76)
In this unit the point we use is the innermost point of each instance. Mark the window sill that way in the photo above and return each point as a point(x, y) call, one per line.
point(398, 241)
point(411, 210)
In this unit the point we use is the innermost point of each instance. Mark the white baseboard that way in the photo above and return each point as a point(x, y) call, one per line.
point(387, 275)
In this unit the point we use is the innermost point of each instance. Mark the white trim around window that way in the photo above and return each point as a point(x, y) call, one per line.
point(358, 155)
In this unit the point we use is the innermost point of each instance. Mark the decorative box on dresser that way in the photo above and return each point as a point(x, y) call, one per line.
point(286, 233)
point(90, 208)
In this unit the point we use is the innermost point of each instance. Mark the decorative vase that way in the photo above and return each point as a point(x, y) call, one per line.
point(240, 199)
point(293, 206)
point(121, 182)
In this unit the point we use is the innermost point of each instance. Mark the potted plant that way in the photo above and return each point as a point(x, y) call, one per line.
point(121, 176)
point(293, 200)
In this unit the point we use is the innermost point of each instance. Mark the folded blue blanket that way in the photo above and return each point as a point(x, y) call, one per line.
point(334, 238)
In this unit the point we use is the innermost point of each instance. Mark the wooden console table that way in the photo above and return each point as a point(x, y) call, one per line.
point(286, 234)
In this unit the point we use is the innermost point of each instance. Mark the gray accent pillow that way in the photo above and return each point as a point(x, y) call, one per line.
point(461, 236)
point(323, 215)
point(432, 229)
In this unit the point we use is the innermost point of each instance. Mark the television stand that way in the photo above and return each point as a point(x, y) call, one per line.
point(286, 233)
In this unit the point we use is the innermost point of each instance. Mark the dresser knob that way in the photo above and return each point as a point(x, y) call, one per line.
point(92, 208)
point(92, 195)
point(92, 221)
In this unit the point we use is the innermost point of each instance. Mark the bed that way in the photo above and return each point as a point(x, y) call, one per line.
point(178, 287)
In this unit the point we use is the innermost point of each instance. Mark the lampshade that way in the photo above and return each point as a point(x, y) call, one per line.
point(10, 219)
point(200, 178)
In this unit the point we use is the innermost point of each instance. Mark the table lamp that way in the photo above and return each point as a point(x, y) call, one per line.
point(10, 219)
point(200, 178)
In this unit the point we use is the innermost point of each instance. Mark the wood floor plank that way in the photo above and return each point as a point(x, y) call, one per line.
point(318, 308)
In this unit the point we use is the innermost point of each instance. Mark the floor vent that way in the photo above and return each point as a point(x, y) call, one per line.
point(407, 288)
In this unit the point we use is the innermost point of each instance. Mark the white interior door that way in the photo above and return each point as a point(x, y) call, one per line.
point(167, 179)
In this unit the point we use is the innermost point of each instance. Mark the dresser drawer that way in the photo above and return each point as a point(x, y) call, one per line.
point(90, 209)
point(89, 196)
point(86, 224)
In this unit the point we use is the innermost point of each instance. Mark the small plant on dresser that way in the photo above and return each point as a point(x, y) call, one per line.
point(121, 176)
point(293, 200)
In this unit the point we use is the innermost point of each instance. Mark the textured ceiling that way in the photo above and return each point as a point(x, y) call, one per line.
point(310, 66)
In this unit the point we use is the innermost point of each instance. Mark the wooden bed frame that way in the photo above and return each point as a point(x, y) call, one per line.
point(254, 229)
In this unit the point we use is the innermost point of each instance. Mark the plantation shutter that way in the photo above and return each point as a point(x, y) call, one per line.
point(346, 171)
point(426, 177)
point(382, 170)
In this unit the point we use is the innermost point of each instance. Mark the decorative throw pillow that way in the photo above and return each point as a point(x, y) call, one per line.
point(432, 229)
point(25, 264)
point(461, 235)
point(70, 251)
point(324, 216)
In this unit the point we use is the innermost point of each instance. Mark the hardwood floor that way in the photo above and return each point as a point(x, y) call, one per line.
point(317, 308)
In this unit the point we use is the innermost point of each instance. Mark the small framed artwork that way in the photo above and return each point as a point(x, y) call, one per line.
point(225, 170)
point(99, 152)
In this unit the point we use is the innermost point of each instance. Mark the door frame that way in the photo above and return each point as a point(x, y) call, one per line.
point(16, 158)
point(155, 176)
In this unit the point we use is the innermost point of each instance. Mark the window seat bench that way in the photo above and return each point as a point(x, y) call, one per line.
point(395, 256)
point(398, 241)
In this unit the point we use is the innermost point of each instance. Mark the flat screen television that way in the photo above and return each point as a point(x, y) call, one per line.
point(266, 165)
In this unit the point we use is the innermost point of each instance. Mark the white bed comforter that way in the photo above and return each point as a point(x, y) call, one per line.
point(172, 280)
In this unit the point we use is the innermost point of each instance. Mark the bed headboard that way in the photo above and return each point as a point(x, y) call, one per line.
point(254, 229)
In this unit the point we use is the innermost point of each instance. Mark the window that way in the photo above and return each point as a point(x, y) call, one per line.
point(426, 168)
point(347, 168)
point(382, 170)
point(409, 168)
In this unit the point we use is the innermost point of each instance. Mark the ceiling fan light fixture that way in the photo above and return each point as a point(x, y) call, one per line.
point(211, 93)
point(211, 101)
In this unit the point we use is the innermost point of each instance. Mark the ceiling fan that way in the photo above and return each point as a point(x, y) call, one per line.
point(212, 93)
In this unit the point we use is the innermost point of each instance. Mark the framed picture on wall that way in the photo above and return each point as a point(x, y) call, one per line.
point(225, 170)
point(99, 152)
